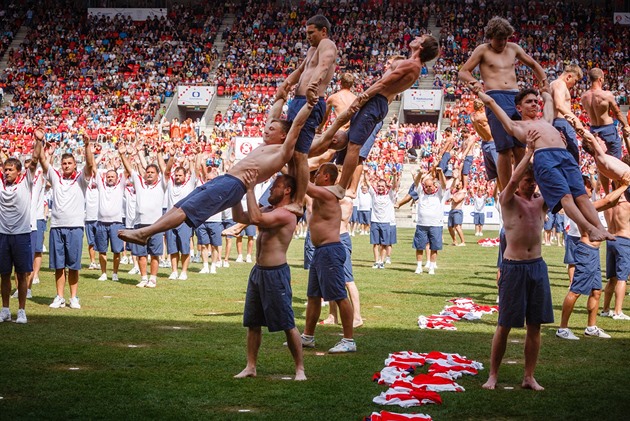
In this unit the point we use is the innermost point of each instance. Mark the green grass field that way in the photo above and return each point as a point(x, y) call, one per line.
point(171, 352)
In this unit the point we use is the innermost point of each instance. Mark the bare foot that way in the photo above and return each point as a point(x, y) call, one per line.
point(357, 323)
point(133, 236)
point(337, 190)
point(300, 376)
point(294, 208)
point(231, 231)
point(531, 383)
point(491, 384)
point(597, 234)
point(330, 320)
point(247, 372)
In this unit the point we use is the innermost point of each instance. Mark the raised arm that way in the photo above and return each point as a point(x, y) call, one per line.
point(550, 105)
point(508, 192)
point(300, 119)
point(37, 151)
point(90, 165)
point(323, 143)
point(276, 109)
point(506, 121)
point(625, 128)
point(123, 157)
point(611, 198)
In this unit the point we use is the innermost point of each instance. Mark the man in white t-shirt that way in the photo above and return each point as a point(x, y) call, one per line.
point(150, 191)
point(15, 233)
point(364, 208)
point(67, 220)
point(383, 200)
point(111, 190)
point(91, 215)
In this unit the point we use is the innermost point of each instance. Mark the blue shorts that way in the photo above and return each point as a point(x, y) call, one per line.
point(379, 233)
point(524, 293)
point(467, 164)
point(347, 264)
point(248, 231)
point(38, 244)
point(366, 119)
point(65, 246)
point(364, 217)
point(558, 223)
point(309, 249)
point(90, 232)
point(610, 135)
point(268, 301)
point(455, 217)
point(355, 214)
point(505, 100)
point(15, 250)
point(364, 152)
point(502, 247)
point(413, 192)
point(557, 175)
point(618, 258)
point(213, 197)
point(305, 139)
point(444, 162)
point(178, 239)
point(107, 232)
point(564, 127)
point(430, 235)
point(326, 277)
point(479, 218)
point(490, 158)
point(154, 247)
point(588, 272)
point(570, 243)
point(550, 222)
point(210, 233)
point(393, 237)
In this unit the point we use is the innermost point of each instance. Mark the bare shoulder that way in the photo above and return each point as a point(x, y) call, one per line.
point(326, 44)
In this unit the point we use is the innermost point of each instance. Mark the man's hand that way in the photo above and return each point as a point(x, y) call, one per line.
point(626, 132)
point(532, 137)
point(625, 179)
point(311, 93)
point(476, 87)
point(39, 134)
point(282, 92)
point(249, 178)
point(121, 147)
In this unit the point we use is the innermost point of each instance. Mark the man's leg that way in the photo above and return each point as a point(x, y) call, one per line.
point(254, 338)
point(451, 231)
point(313, 310)
point(171, 219)
point(22, 280)
point(116, 262)
point(353, 292)
point(532, 348)
point(582, 212)
point(5, 289)
point(295, 346)
point(504, 166)
point(73, 281)
point(460, 234)
point(571, 272)
point(142, 265)
point(102, 260)
point(592, 305)
point(60, 281)
point(300, 172)
point(37, 264)
point(185, 262)
point(155, 265)
point(346, 314)
point(499, 342)
point(567, 308)
point(349, 164)
point(174, 261)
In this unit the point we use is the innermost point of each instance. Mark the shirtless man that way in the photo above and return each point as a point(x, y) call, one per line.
point(456, 214)
point(227, 190)
point(488, 148)
point(317, 69)
point(374, 103)
point(269, 297)
point(444, 154)
point(466, 154)
point(496, 63)
point(598, 104)
point(557, 174)
point(339, 101)
point(524, 291)
point(326, 274)
point(562, 106)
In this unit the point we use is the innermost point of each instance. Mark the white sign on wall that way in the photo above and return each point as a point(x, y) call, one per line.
point(197, 96)
point(244, 145)
point(622, 18)
point(136, 14)
point(422, 99)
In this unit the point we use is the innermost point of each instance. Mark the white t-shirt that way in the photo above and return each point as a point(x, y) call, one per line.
point(149, 199)
point(382, 206)
point(68, 199)
point(130, 205)
point(364, 201)
point(110, 199)
point(430, 208)
point(479, 203)
point(15, 205)
point(176, 193)
point(91, 201)
point(38, 197)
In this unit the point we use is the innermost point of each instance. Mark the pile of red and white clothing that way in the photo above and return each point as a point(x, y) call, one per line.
point(489, 242)
point(460, 308)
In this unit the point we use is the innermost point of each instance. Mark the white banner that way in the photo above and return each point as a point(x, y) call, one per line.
point(622, 18)
point(136, 14)
point(244, 145)
point(422, 99)
point(492, 215)
point(197, 96)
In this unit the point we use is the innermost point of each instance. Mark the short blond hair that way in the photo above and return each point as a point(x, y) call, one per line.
point(574, 69)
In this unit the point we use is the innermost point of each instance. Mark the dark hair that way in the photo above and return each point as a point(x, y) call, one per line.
point(626, 159)
point(289, 182)
point(499, 27)
point(330, 170)
point(284, 124)
point(13, 162)
point(320, 22)
point(157, 169)
point(68, 155)
point(430, 49)
point(179, 168)
point(464, 130)
point(523, 93)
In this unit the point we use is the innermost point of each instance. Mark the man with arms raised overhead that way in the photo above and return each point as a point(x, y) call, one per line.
point(562, 106)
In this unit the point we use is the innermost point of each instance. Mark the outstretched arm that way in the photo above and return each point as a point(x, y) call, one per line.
point(323, 143)
point(508, 192)
point(90, 166)
point(611, 198)
point(505, 120)
point(123, 157)
point(300, 119)
point(465, 72)
point(549, 107)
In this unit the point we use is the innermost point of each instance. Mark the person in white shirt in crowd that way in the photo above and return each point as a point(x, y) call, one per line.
point(393, 237)
point(15, 231)
point(430, 217)
point(479, 216)
point(180, 183)
point(91, 215)
point(67, 220)
point(150, 191)
point(383, 200)
point(364, 209)
point(129, 221)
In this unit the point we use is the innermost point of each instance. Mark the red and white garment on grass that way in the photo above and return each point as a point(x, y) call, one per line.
point(452, 359)
point(451, 371)
point(410, 358)
point(389, 375)
point(428, 382)
point(436, 322)
point(407, 398)
point(463, 308)
point(489, 242)
point(390, 416)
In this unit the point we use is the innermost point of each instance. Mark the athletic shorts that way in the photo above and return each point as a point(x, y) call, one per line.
point(248, 231)
point(393, 237)
point(364, 217)
point(588, 272)
point(326, 277)
point(550, 222)
point(90, 232)
point(65, 246)
point(355, 214)
point(15, 250)
point(524, 293)
point(178, 239)
point(557, 175)
point(490, 159)
point(364, 152)
point(479, 218)
point(365, 120)
point(618, 258)
point(210, 233)
point(347, 264)
point(268, 301)
point(505, 100)
point(455, 217)
point(430, 235)
point(379, 233)
point(564, 127)
point(502, 247)
point(38, 244)
point(413, 192)
point(107, 233)
point(610, 135)
point(213, 197)
point(570, 243)
point(467, 164)
point(305, 138)
point(309, 249)
point(444, 162)
point(154, 247)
